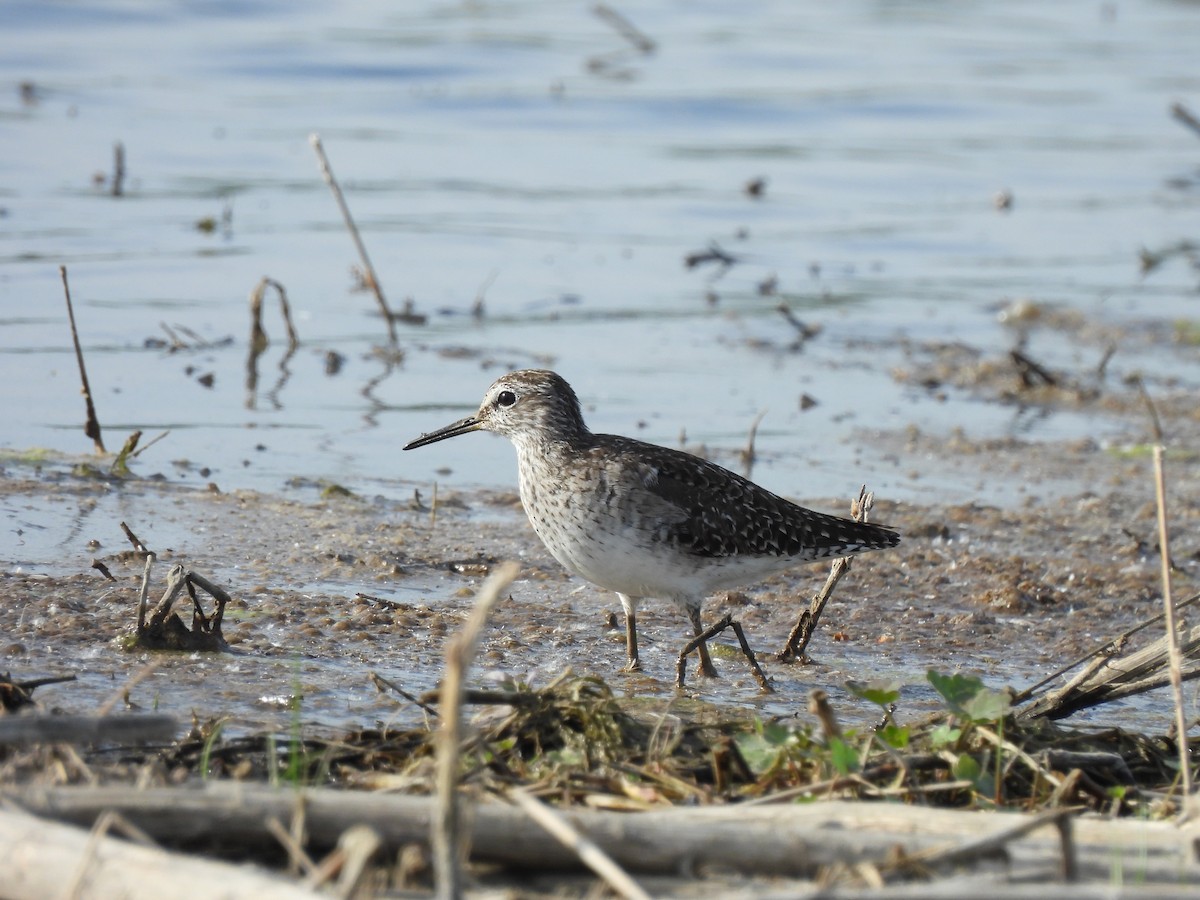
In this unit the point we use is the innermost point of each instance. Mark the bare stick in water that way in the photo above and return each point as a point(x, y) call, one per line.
point(92, 428)
point(118, 179)
point(327, 173)
point(638, 38)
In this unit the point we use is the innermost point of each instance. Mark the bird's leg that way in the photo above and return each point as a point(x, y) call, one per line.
point(629, 604)
point(706, 665)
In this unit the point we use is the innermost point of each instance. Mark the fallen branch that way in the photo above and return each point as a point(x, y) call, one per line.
point(796, 840)
point(44, 859)
point(124, 729)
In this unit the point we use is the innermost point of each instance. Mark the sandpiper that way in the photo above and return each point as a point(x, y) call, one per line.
point(643, 520)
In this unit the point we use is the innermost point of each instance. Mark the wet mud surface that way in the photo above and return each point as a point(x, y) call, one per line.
point(329, 587)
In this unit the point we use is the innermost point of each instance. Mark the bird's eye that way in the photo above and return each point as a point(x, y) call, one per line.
point(506, 398)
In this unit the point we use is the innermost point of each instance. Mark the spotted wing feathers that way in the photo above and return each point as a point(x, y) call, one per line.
point(717, 513)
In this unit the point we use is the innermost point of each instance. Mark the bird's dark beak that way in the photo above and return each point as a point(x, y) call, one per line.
point(462, 426)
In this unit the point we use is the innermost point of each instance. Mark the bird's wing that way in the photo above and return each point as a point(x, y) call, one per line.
point(713, 512)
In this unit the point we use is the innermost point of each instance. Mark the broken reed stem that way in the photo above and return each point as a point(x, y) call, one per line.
point(144, 593)
point(1184, 115)
point(150, 443)
point(446, 837)
point(639, 39)
point(327, 174)
point(118, 179)
point(258, 336)
point(796, 647)
point(748, 455)
point(92, 428)
point(1176, 669)
point(588, 852)
point(1096, 652)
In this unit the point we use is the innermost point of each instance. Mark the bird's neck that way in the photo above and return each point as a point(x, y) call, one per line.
point(542, 461)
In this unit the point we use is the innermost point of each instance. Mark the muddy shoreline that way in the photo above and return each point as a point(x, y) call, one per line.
point(329, 585)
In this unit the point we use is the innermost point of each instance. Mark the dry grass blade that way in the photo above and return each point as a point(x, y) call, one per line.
point(591, 855)
point(1176, 662)
point(445, 838)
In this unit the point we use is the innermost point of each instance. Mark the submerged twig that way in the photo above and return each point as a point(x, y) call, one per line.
point(1182, 114)
point(118, 178)
point(259, 340)
point(804, 331)
point(640, 41)
point(258, 336)
point(376, 288)
point(92, 428)
point(382, 683)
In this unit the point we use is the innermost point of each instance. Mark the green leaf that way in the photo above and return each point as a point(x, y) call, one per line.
point(760, 754)
point(878, 690)
point(894, 736)
point(956, 690)
point(776, 734)
point(944, 736)
point(987, 706)
point(966, 768)
point(967, 698)
point(843, 756)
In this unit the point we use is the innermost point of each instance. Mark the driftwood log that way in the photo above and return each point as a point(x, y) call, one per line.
point(118, 729)
point(41, 859)
point(797, 841)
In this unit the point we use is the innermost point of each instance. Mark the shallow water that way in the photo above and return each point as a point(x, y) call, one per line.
point(481, 155)
point(484, 156)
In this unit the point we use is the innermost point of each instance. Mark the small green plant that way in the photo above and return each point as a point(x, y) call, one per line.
point(769, 746)
point(297, 758)
point(209, 742)
point(884, 693)
point(967, 698)
point(973, 704)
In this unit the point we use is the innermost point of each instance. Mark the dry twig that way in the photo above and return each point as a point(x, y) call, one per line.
point(796, 647)
point(446, 837)
point(327, 173)
point(1176, 661)
point(92, 428)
